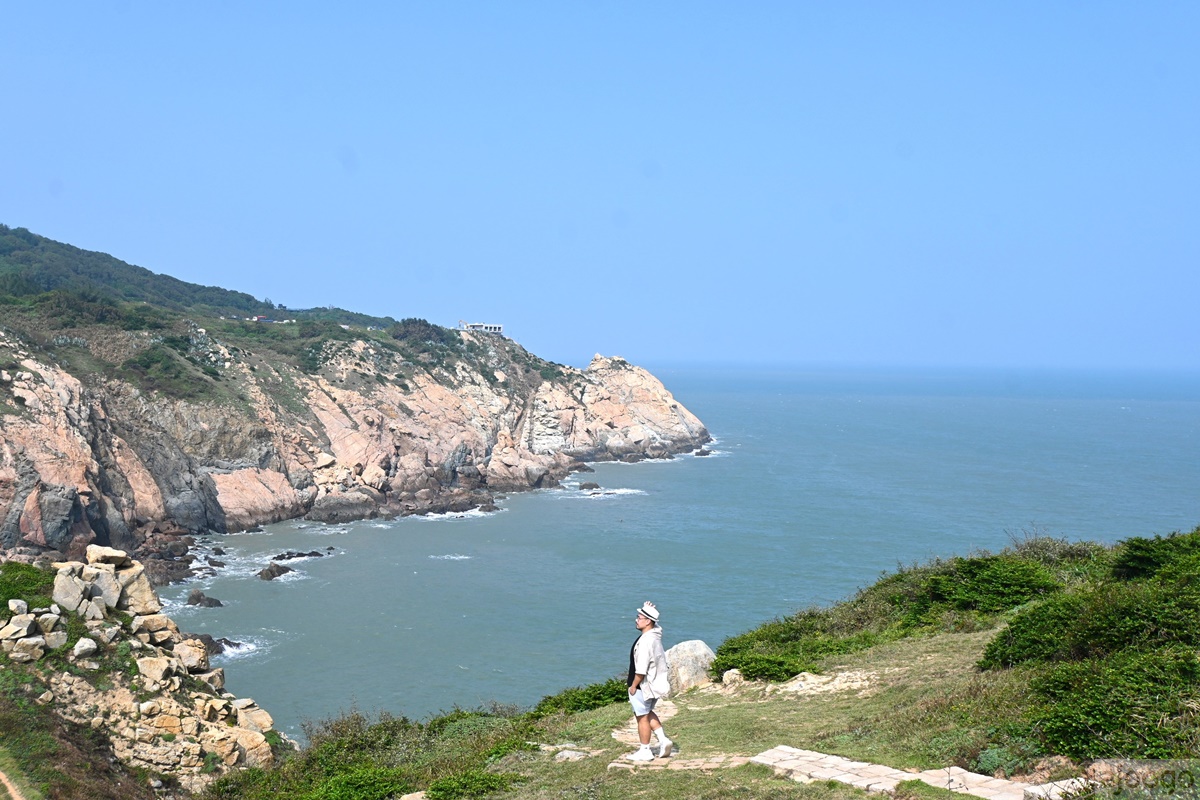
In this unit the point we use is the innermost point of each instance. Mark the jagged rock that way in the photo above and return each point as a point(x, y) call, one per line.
point(214, 678)
point(55, 639)
point(218, 551)
point(199, 598)
point(588, 486)
point(31, 648)
point(105, 587)
point(48, 622)
point(192, 654)
point(703, 452)
point(156, 668)
point(732, 677)
point(212, 562)
point(69, 591)
point(689, 663)
point(107, 555)
point(254, 747)
point(92, 609)
point(20, 626)
point(273, 571)
point(85, 647)
point(18, 606)
point(137, 595)
point(214, 646)
point(250, 716)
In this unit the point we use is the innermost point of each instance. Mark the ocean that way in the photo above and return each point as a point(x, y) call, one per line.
point(819, 482)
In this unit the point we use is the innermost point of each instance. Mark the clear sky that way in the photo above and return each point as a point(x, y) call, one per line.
point(837, 183)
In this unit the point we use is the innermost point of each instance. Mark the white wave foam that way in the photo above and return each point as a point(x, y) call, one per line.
point(247, 647)
point(474, 513)
point(451, 557)
point(601, 494)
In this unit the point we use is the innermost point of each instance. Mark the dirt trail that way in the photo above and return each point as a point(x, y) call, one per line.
point(13, 791)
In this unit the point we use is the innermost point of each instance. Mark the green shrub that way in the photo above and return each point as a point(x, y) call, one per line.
point(1139, 557)
point(363, 783)
point(25, 582)
point(582, 698)
point(1100, 621)
point(991, 583)
point(1131, 705)
point(473, 783)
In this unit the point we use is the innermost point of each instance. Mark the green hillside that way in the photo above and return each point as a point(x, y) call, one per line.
point(32, 265)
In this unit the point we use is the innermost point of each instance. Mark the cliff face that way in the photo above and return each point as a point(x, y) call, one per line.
point(96, 459)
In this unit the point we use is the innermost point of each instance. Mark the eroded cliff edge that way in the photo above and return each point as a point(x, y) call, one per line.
point(368, 429)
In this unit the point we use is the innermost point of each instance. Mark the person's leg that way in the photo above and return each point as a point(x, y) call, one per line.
point(643, 725)
point(641, 712)
point(655, 724)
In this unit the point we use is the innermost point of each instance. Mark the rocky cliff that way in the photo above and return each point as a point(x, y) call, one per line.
point(361, 425)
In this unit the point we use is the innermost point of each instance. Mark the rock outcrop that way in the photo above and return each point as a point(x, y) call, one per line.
point(151, 689)
point(689, 664)
point(100, 461)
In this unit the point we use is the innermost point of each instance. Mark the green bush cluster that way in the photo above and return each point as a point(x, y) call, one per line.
point(355, 756)
point(582, 698)
point(473, 783)
point(1119, 669)
point(1134, 704)
point(957, 594)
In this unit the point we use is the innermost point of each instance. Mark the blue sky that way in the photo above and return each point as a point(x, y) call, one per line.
point(852, 184)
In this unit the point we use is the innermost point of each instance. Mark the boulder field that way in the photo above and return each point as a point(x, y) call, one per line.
point(134, 675)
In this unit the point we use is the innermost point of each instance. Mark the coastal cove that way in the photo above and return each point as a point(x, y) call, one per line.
point(817, 483)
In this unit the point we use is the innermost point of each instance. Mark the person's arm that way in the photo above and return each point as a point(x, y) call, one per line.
point(637, 680)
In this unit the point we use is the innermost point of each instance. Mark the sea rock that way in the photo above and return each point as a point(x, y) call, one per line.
point(689, 664)
point(199, 598)
point(273, 571)
point(293, 554)
point(588, 486)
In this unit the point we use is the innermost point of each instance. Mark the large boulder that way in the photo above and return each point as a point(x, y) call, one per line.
point(69, 590)
point(689, 664)
point(97, 554)
point(193, 655)
point(137, 595)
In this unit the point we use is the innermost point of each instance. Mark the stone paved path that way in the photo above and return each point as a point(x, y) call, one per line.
point(807, 766)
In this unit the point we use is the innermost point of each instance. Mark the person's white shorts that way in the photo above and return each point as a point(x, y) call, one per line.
point(641, 705)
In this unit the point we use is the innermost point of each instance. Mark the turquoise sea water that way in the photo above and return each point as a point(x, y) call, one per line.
point(819, 482)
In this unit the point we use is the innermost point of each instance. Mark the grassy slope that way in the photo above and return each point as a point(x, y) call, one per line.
point(945, 647)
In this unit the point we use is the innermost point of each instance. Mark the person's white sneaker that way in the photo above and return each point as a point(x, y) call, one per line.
point(642, 754)
point(664, 745)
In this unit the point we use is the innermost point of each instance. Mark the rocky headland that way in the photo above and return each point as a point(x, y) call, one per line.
point(96, 459)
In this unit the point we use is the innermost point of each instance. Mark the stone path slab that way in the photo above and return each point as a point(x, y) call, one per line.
point(807, 766)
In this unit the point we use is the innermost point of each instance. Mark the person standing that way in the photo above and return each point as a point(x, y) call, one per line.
point(648, 681)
